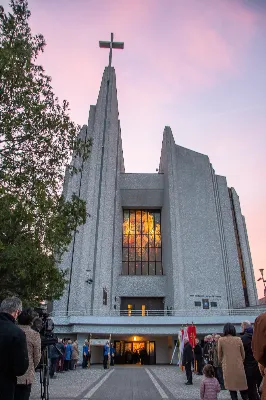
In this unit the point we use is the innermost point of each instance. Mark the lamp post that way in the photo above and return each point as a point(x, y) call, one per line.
point(263, 280)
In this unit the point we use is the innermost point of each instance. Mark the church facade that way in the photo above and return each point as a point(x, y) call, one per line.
point(155, 247)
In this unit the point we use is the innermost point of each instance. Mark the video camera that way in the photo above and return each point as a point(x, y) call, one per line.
point(45, 326)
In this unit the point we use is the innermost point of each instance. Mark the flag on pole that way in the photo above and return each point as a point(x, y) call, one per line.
point(192, 334)
point(181, 346)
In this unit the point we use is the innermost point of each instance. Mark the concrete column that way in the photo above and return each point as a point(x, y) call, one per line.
point(81, 337)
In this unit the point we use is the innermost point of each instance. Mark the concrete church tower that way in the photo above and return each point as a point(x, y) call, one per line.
point(209, 253)
point(91, 252)
point(174, 240)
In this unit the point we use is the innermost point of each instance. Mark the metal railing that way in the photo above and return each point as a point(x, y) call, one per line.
point(162, 313)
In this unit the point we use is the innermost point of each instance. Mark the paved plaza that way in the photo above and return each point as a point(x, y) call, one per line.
point(123, 383)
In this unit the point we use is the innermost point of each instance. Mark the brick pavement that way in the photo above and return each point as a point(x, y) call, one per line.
point(123, 383)
point(172, 378)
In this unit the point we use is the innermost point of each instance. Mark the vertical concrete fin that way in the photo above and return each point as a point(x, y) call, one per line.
point(171, 223)
point(243, 244)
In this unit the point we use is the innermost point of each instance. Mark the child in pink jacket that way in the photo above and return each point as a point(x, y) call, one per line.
point(209, 387)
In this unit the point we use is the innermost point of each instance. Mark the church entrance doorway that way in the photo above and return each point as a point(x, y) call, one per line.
point(134, 352)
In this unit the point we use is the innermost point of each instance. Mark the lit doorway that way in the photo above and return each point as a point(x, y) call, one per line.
point(135, 352)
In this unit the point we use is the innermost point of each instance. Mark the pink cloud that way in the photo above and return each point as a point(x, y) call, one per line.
point(209, 43)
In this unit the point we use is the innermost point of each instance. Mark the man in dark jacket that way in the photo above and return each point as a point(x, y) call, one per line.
point(198, 358)
point(13, 348)
point(112, 355)
point(187, 360)
point(53, 354)
point(106, 355)
point(250, 364)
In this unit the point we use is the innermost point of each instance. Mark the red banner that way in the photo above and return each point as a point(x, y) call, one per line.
point(192, 333)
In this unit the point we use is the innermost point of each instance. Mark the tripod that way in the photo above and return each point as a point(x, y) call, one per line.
point(44, 374)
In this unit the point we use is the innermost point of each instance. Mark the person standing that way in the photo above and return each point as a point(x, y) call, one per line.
point(231, 354)
point(259, 347)
point(209, 387)
point(106, 353)
point(250, 364)
point(208, 350)
point(23, 387)
point(187, 361)
point(198, 357)
point(85, 354)
point(217, 364)
point(53, 359)
point(13, 348)
point(75, 355)
point(112, 355)
point(142, 355)
point(68, 355)
point(61, 359)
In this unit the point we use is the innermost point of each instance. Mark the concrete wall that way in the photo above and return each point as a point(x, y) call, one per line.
point(162, 354)
point(142, 181)
point(201, 248)
point(141, 286)
point(141, 190)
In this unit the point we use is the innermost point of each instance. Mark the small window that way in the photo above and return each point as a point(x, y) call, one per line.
point(197, 303)
point(213, 304)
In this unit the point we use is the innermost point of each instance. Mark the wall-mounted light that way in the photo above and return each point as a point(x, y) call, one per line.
point(135, 338)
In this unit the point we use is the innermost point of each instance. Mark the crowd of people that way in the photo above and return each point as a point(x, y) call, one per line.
point(229, 362)
point(21, 351)
point(233, 363)
point(138, 356)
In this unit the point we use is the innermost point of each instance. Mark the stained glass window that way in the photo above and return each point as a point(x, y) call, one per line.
point(142, 244)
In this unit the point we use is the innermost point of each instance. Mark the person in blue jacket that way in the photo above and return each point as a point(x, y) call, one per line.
point(68, 355)
point(86, 354)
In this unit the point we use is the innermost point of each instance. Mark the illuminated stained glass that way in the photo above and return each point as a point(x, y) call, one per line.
point(142, 245)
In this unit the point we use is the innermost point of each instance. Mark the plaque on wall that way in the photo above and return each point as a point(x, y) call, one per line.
point(205, 304)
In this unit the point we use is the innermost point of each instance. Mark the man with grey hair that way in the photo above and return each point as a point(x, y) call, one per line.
point(250, 364)
point(13, 348)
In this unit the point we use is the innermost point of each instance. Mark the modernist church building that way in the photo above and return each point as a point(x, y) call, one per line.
point(158, 250)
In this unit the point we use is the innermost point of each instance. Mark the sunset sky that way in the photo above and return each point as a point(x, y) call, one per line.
point(196, 65)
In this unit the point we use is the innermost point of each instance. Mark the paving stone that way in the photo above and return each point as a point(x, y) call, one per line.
point(123, 383)
point(69, 385)
point(174, 379)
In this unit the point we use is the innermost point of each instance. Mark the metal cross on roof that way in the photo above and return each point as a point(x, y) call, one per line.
point(111, 45)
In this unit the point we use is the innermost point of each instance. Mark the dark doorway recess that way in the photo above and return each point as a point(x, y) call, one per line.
point(141, 306)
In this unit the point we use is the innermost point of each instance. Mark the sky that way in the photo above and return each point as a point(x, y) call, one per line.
point(195, 65)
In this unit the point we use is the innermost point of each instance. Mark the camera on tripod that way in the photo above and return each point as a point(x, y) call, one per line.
point(45, 326)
